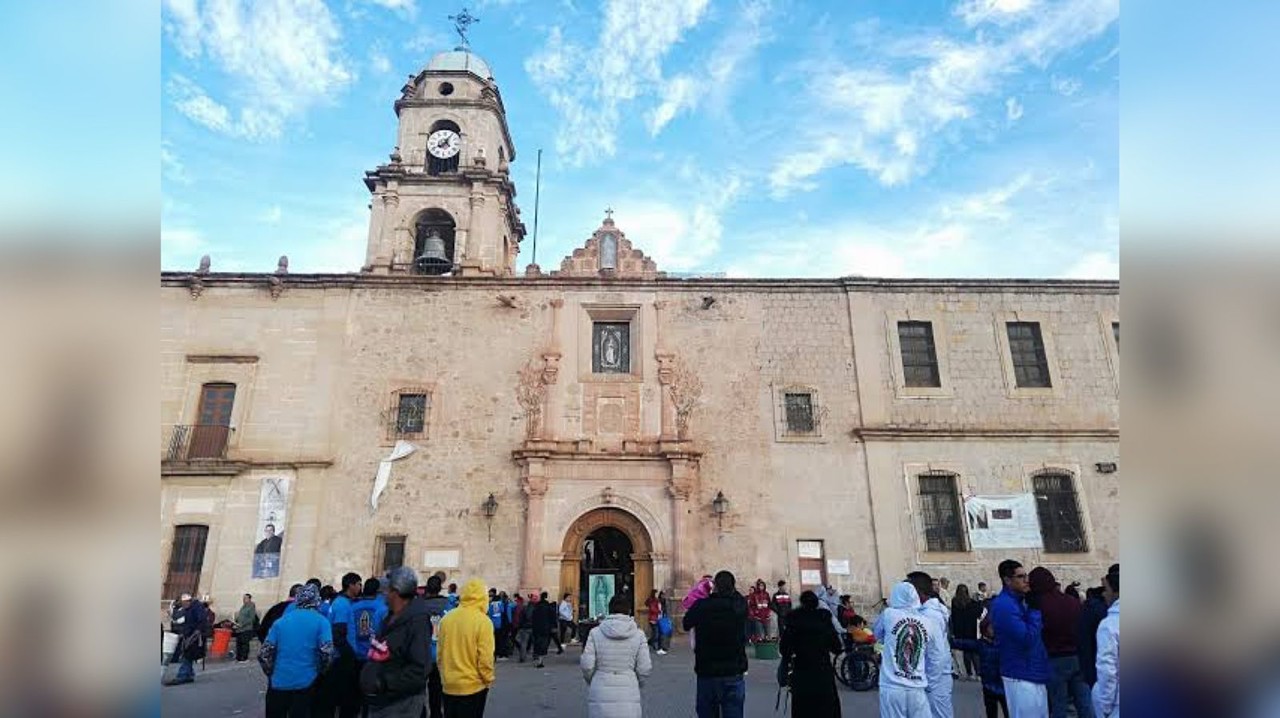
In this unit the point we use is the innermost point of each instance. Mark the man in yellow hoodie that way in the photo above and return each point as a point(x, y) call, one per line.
point(465, 649)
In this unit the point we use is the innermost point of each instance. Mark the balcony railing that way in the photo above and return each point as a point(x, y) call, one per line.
point(198, 441)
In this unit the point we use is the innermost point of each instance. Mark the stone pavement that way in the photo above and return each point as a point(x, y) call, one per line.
point(522, 691)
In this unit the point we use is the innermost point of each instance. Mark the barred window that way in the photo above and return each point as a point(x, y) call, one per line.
point(1026, 346)
point(919, 354)
point(411, 414)
point(940, 509)
point(799, 411)
point(1061, 524)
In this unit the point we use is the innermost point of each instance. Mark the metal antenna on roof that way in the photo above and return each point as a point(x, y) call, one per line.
point(537, 195)
point(461, 23)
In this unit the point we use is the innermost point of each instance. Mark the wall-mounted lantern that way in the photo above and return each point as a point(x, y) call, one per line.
point(490, 507)
point(720, 507)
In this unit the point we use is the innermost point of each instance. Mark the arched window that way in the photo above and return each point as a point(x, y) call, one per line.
point(433, 233)
point(444, 147)
point(1058, 509)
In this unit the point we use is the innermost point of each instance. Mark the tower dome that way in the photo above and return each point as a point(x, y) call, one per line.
point(460, 60)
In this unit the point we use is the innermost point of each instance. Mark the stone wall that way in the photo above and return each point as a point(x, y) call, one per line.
point(331, 351)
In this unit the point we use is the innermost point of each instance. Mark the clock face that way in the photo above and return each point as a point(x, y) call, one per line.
point(444, 144)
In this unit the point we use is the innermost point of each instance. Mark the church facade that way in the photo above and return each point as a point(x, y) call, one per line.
point(601, 427)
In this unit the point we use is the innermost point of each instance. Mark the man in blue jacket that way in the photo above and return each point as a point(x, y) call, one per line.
point(1024, 662)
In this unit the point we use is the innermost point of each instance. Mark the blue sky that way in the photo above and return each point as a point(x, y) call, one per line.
point(755, 137)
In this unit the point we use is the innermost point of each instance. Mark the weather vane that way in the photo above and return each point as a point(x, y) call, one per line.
point(461, 22)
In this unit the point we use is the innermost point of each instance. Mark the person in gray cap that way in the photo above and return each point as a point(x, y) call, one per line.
point(394, 679)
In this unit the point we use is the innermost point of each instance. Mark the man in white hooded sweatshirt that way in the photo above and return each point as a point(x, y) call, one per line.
point(1106, 692)
point(906, 634)
point(938, 665)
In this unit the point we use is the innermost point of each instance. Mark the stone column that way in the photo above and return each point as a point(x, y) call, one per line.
point(534, 485)
point(553, 409)
point(665, 371)
point(469, 250)
point(681, 488)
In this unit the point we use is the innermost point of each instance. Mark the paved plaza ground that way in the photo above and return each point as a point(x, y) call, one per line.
point(229, 689)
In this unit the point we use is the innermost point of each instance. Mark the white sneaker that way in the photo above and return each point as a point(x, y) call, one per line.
point(661, 652)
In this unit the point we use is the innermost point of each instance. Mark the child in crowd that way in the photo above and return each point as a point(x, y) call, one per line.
point(988, 667)
point(700, 590)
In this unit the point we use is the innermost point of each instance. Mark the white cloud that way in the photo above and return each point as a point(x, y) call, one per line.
point(1000, 12)
point(888, 113)
point(1095, 265)
point(589, 87)
point(1065, 86)
point(272, 215)
point(171, 166)
point(281, 58)
point(407, 7)
point(677, 236)
point(378, 61)
point(679, 93)
point(992, 204)
point(1012, 109)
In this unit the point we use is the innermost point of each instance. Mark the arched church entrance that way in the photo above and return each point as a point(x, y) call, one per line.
point(607, 551)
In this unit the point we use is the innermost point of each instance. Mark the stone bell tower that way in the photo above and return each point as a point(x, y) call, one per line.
point(445, 203)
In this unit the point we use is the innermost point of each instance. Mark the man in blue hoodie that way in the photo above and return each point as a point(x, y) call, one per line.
point(1024, 662)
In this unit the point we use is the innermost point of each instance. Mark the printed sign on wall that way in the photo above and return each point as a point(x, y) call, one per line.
point(1003, 521)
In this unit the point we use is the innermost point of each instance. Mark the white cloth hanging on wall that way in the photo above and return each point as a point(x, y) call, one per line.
point(401, 450)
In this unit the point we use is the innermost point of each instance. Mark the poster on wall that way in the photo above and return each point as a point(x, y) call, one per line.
point(273, 504)
point(838, 567)
point(599, 591)
point(810, 577)
point(1003, 521)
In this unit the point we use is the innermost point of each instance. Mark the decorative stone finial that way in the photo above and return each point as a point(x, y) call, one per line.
point(395, 156)
point(479, 159)
point(205, 263)
point(282, 266)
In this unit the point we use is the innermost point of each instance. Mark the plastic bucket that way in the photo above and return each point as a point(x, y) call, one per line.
point(767, 650)
point(168, 645)
point(221, 642)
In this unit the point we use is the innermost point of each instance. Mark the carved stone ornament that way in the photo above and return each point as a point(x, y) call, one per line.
point(410, 87)
point(534, 485)
point(551, 367)
point(195, 282)
point(607, 496)
point(686, 392)
point(530, 393)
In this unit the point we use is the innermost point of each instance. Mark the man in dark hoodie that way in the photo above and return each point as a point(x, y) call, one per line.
point(1061, 615)
point(720, 652)
point(394, 680)
point(437, 606)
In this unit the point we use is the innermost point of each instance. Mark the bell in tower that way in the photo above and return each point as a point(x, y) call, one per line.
point(442, 206)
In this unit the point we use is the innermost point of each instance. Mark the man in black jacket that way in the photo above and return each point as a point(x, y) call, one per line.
point(395, 685)
point(542, 621)
point(720, 649)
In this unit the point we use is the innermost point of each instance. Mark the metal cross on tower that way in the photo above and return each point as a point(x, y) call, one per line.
point(461, 23)
point(608, 212)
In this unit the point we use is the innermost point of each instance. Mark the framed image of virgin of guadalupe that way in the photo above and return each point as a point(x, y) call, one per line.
point(600, 589)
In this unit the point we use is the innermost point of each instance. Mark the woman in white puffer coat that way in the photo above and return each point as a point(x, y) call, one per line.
point(615, 661)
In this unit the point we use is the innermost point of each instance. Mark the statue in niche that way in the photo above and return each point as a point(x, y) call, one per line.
point(589, 553)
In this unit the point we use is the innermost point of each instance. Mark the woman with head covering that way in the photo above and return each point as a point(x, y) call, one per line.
point(298, 649)
point(808, 640)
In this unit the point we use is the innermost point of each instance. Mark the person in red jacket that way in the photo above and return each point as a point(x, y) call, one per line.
point(1060, 634)
point(764, 623)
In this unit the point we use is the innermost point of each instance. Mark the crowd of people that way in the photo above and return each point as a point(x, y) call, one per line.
point(390, 647)
point(1039, 650)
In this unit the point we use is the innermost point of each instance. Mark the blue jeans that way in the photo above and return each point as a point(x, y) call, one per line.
point(1066, 685)
point(186, 671)
point(721, 696)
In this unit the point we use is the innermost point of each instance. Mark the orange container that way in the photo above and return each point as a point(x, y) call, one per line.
point(221, 642)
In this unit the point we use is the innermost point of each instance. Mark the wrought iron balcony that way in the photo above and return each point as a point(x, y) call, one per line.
point(194, 442)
